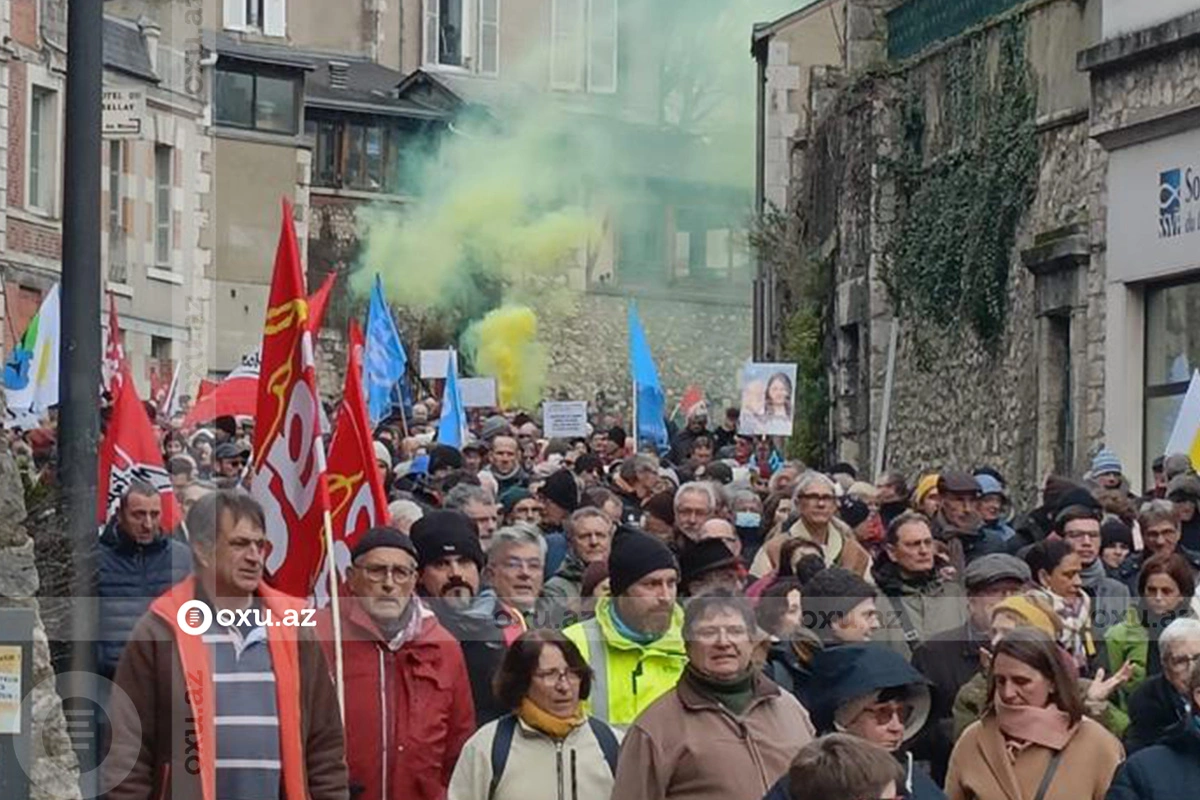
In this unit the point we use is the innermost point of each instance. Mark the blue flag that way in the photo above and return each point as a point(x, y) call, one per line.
point(384, 362)
point(651, 404)
point(452, 428)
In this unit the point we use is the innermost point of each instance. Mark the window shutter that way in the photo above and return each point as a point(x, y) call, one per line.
point(567, 43)
point(432, 23)
point(275, 18)
point(489, 37)
point(235, 15)
point(602, 46)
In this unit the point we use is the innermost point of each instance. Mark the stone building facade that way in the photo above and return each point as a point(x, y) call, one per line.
point(918, 391)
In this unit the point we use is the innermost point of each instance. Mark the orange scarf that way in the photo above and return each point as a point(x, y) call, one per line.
point(555, 727)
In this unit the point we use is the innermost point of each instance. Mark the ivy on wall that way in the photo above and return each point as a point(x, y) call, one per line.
point(958, 211)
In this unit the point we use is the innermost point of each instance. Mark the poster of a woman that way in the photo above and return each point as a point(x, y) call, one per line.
point(768, 400)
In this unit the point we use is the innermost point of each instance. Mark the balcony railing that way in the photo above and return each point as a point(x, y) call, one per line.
point(918, 24)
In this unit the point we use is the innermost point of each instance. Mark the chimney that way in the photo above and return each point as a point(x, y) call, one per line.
point(339, 72)
point(150, 33)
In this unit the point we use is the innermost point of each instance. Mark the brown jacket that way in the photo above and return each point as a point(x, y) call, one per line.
point(158, 716)
point(687, 747)
point(841, 550)
point(980, 768)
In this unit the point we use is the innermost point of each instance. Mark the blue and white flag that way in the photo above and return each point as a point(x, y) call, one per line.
point(651, 404)
point(452, 428)
point(384, 360)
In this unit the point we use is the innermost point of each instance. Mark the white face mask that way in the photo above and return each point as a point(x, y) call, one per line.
point(748, 519)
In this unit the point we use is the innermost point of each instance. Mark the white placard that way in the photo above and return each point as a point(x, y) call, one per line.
point(124, 112)
point(433, 363)
point(478, 392)
point(768, 400)
point(566, 419)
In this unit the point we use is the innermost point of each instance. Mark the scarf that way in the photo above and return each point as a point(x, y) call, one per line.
point(555, 727)
point(735, 695)
point(1076, 615)
point(637, 637)
point(410, 624)
point(1023, 726)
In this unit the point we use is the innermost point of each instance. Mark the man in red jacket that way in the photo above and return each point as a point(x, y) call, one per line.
point(408, 698)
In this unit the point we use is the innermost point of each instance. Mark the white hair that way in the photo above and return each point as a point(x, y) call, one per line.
point(699, 487)
point(405, 510)
point(488, 481)
point(519, 534)
point(1182, 629)
point(813, 477)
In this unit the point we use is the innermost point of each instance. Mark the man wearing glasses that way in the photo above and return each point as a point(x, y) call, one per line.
point(1164, 700)
point(1079, 525)
point(408, 696)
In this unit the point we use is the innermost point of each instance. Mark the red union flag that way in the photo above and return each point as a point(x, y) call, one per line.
point(114, 353)
point(289, 457)
point(356, 497)
point(130, 452)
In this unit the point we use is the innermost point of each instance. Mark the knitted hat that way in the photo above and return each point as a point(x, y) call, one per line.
point(493, 427)
point(1176, 464)
point(383, 537)
point(513, 495)
point(633, 557)
point(1036, 614)
point(703, 557)
point(382, 454)
point(443, 456)
point(446, 533)
point(925, 487)
point(1114, 531)
point(1105, 462)
point(1184, 487)
point(661, 506)
point(562, 489)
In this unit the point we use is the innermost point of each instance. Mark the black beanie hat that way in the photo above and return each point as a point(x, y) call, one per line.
point(854, 512)
point(1113, 531)
point(443, 456)
point(562, 490)
point(634, 556)
point(446, 533)
point(383, 537)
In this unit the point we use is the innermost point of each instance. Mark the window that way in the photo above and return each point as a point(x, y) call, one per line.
point(163, 158)
point(266, 16)
point(117, 271)
point(256, 101)
point(445, 32)
point(1172, 353)
point(583, 45)
point(364, 155)
point(42, 151)
point(160, 349)
point(489, 37)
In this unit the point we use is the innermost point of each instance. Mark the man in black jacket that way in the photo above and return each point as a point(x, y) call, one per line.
point(951, 659)
point(136, 563)
point(1162, 701)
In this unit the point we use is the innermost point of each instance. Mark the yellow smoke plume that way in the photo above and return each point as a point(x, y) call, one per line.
point(504, 345)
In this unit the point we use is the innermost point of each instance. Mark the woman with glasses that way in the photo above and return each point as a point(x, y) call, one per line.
point(871, 692)
point(1165, 588)
point(1164, 700)
point(546, 748)
point(1034, 741)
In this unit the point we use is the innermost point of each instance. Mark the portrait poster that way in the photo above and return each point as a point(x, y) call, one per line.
point(768, 400)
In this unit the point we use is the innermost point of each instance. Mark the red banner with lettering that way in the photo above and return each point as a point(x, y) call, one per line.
point(357, 500)
point(289, 456)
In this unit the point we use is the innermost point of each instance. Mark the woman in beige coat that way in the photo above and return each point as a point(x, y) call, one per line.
point(1033, 741)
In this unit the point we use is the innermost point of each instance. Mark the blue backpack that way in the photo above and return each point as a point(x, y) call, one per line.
point(506, 728)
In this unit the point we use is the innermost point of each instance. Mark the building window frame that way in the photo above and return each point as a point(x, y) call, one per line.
point(164, 182)
point(344, 157)
point(42, 149)
point(489, 31)
point(268, 17)
point(257, 76)
point(576, 46)
point(435, 16)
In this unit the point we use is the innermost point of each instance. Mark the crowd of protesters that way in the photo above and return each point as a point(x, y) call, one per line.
point(580, 620)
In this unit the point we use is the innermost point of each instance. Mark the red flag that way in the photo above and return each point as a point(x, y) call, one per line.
point(357, 500)
point(318, 302)
point(289, 457)
point(692, 397)
point(130, 452)
point(114, 353)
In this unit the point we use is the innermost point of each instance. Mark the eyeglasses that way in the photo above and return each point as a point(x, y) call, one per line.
point(711, 633)
point(554, 676)
point(1183, 662)
point(379, 573)
point(1083, 535)
point(885, 712)
point(818, 498)
point(528, 564)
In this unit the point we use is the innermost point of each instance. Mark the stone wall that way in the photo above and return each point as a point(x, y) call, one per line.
point(955, 403)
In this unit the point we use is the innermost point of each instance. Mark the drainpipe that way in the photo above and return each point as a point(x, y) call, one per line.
point(762, 314)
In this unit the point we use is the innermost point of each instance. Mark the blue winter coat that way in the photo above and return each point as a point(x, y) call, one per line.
point(1165, 771)
point(129, 577)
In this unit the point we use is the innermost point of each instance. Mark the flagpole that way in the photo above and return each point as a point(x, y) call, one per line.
point(335, 607)
point(636, 448)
